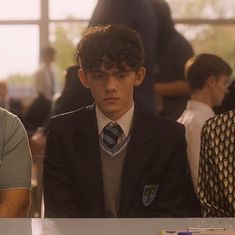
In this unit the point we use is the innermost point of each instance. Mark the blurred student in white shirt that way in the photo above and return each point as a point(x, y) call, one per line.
point(207, 76)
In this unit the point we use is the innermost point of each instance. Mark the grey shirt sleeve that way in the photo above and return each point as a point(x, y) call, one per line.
point(15, 155)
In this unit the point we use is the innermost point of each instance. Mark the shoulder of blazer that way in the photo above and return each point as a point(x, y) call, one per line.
point(76, 116)
point(155, 123)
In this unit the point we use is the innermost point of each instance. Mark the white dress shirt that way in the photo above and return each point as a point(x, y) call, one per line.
point(45, 81)
point(193, 118)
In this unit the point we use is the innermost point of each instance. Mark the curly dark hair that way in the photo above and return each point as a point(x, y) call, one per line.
point(199, 68)
point(108, 46)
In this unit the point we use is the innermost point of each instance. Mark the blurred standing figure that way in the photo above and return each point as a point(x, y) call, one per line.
point(40, 110)
point(139, 15)
point(172, 53)
point(45, 76)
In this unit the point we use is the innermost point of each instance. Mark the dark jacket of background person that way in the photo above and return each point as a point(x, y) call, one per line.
point(139, 15)
point(37, 115)
point(172, 53)
point(73, 185)
point(74, 95)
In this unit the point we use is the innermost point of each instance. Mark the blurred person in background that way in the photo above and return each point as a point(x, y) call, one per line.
point(36, 118)
point(11, 104)
point(46, 85)
point(207, 76)
point(45, 80)
point(172, 52)
point(139, 15)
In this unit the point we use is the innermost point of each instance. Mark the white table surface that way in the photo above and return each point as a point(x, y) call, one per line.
point(106, 226)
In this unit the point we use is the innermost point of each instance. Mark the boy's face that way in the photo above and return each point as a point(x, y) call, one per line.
point(112, 89)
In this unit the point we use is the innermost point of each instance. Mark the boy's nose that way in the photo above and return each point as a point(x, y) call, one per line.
point(110, 83)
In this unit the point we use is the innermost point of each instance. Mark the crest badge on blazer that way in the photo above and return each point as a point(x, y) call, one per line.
point(149, 193)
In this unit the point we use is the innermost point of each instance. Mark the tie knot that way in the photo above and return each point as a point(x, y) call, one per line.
point(114, 128)
point(111, 134)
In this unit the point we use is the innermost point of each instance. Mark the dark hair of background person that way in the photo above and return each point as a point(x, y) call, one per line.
point(47, 52)
point(74, 95)
point(199, 68)
point(123, 46)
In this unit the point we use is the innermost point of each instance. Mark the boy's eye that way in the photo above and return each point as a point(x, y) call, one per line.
point(98, 76)
point(121, 75)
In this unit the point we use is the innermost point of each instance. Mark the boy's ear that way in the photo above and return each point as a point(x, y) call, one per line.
point(140, 74)
point(83, 78)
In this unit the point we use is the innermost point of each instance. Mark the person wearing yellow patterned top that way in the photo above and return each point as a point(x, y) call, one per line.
point(216, 185)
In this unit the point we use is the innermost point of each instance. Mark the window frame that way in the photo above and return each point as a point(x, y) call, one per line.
point(44, 21)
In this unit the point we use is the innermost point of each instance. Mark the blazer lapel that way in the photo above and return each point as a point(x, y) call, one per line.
point(89, 152)
point(136, 159)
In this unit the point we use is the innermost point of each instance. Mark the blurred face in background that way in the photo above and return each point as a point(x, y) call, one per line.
point(3, 88)
point(219, 87)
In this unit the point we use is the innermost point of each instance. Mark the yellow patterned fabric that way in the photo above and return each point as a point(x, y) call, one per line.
point(216, 179)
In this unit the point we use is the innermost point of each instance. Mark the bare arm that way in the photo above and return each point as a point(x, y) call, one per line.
point(172, 89)
point(14, 203)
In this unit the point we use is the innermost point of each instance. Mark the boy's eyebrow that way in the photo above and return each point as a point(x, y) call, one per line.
point(95, 71)
point(114, 72)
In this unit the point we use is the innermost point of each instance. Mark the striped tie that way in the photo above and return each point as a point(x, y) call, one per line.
point(111, 134)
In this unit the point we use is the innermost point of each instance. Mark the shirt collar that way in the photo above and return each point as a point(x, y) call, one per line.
point(198, 105)
point(124, 121)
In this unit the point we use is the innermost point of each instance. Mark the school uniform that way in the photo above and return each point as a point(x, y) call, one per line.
point(153, 173)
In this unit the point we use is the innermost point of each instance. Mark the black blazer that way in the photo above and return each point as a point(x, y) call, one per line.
point(156, 156)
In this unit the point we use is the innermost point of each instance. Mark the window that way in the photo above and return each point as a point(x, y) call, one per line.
point(201, 9)
point(20, 10)
point(71, 9)
point(207, 38)
point(27, 25)
point(19, 49)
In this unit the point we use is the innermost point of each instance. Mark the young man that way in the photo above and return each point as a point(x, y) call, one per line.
point(207, 76)
point(216, 167)
point(109, 159)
